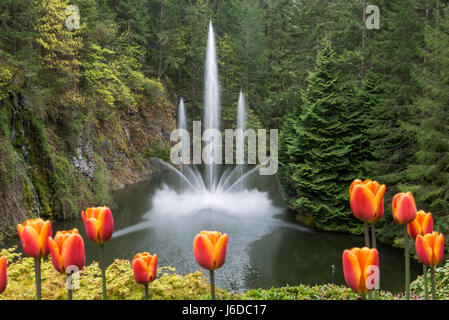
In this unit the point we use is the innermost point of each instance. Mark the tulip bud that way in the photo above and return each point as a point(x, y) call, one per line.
point(98, 223)
point(367, 200)
point(144, 267)
point(358, 265)
point(423, 224)
point(67, 249)
point(430, 248)
point(404, 208)
point(209, 248)
point(33, 235)
point(3, 276)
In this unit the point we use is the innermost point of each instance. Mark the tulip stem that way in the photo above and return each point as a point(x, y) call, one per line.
point(146, 291)
point(365, 224)
point(373, 236)
point(69, 287)
point(37, 270)
point(103, 271)
point(434, 294)
point(426, 286)
point(407, 264)
point(212, 285)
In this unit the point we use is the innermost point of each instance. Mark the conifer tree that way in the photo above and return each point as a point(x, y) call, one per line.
point(319, 151)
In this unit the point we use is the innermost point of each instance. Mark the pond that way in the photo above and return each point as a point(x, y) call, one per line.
point(265, 250)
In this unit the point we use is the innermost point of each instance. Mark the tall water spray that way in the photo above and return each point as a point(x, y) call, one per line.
point(182, 124)
point(211, 105)
point(241, 125)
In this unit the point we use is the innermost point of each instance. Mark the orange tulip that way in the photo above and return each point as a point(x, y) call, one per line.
point(367, 200)
point(67, 249)
point(3, 276)
point(144, 267)
point(99, 224)
point(430, 248)
point(404, 208)
point(423, 224)
point(209, 248)
point(356, 263)
point(33, 235)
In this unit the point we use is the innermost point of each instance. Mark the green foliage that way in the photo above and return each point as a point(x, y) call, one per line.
point(316, 163)
point(441, 282)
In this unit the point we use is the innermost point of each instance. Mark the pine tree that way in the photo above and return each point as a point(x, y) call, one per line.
point(319, 152)
point(429, 172)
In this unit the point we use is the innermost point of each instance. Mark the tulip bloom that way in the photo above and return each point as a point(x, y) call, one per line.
point(33, 234)
point(404, 208)
point(430, 250)
point(404, 212)
point(209, 248)
point(145, 269)
point(358, 265)
point(3, 276)
point(99, 224)
point(423, 224)
point(367, 200)
point(67, 249)
point(67, 252)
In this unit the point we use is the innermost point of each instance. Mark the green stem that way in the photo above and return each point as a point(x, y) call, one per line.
point(212, 285)
point(69, 287)
point(407, 264)
point(103, 271)
point(37, 271)
point(146, 291)
point(426, 286)
point(373, 236)
point(434, 294)
point(365, 224)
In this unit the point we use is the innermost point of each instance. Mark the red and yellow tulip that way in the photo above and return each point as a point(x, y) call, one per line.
point(423, 224)
point(367, 200)
point(99, 224)
point(209, 248)
point(430, 248)
point(404, 208)
point(356, 267)
point(33, 235)
point(67, 249)
point(144, 267)
point(3, 276)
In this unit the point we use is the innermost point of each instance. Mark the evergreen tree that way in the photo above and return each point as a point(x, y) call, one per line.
point(317, 146)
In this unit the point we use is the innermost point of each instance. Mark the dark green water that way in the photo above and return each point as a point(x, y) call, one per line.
point(264, 250)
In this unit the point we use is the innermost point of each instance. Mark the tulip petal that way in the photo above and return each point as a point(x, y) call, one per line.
point(140, 269)
point(423, 251)
point(105, 225)
point(352, 271)
point(220, 251)
point(30, 242)
point(3, 274)
point(73, 252)
point(204, 251)
point(56, 258)
point(438, 250)
point(363, 203)
point(43, 238)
